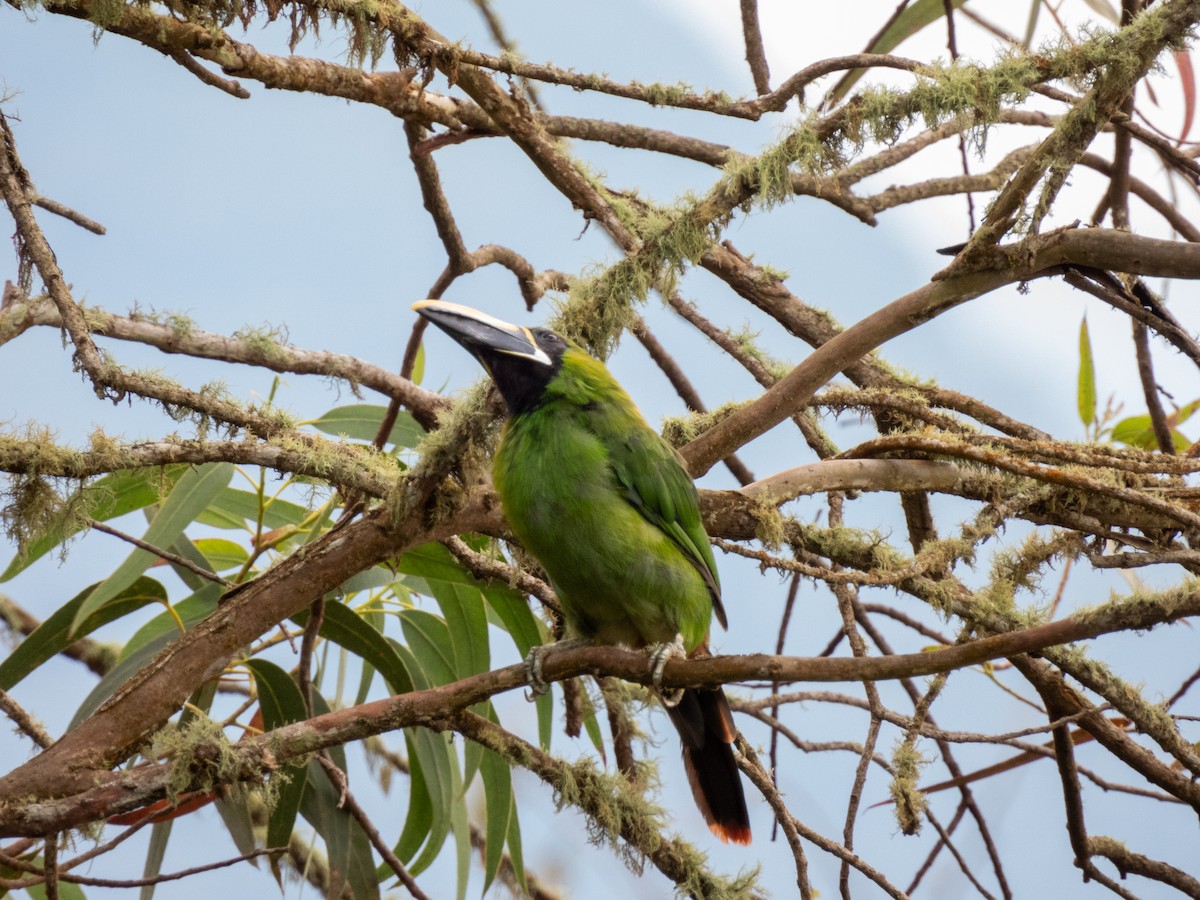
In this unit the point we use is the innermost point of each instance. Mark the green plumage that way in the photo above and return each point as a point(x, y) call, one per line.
point(604, 505)
point(608, 509)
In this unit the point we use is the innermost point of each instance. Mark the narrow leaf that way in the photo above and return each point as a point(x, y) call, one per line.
point(1184, 413)
point(160, 833)
point(350, 857)
point(418, 821)
point(515, 854)
point(466, 619)
point(281, 703)
point(184, 547)
point(363, 421)
point(429, 640)
point(347, 629)
point(1187, 80)
point(1086, 396)
point(496, 776)
point(190, 610)
point(1105, 9)
point(1136, 431)
point(460, 824)
point(432, 760)
point(53, 635)
point(194, 491)
point(526, 631)
point(234, 508)
point(235, 813)
point(145, 643)
point(418, 372)
point(221, 554)
point(440, 765)
point(913, 19)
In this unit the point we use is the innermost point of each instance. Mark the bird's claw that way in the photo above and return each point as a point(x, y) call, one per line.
point(658, 658)
point(533, 665)
point(533, 672)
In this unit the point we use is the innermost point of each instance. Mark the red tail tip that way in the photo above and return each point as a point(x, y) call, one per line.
point(731, 834)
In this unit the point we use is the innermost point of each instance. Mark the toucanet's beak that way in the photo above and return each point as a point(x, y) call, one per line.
point(480, 333)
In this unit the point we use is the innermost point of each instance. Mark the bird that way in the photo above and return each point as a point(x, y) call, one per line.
point(608, 509)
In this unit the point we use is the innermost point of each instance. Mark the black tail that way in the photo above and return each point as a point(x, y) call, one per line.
point(706, 728)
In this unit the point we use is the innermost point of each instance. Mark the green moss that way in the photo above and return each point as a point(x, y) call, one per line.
point(106, 13)
point(201, 756)
point(909, 800)
point(681, 430)
point(658, 94)
point(30, 507)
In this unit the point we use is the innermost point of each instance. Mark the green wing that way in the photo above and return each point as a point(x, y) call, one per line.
point(658, 486)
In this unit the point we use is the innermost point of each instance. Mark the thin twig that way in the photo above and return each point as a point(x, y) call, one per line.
point(26, 724)
point(173, 558)
point(347, 802)
point(756, 56)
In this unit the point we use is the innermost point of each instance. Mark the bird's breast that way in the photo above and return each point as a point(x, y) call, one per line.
point(620, 578)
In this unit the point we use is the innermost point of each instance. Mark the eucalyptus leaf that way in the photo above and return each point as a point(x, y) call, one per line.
point(54, 634)
point(191, 494)
point(362, 422)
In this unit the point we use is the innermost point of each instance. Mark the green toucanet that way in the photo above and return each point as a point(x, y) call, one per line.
point(607, 508)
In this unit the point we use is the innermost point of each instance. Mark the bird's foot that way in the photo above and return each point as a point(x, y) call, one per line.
point(533, 665)
point(658, 658)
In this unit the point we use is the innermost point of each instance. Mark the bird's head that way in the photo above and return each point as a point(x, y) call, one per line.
point(522, 361)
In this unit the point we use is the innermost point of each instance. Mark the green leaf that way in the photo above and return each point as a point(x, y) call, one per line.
point(916, 17)
point(368, 579)
point(1086, 396)
point(145, 643)
point(278, 695)
point(418, 822)
point(282, 703)
point(184, 547)
point(191, 610)
point(526, 631)
point(433, 764)
point(1184, 413)
point(435, 565)
point(466, 624)
point(460, 824)
point(1106, 9)
point(362, 422)
point(66, 889)
point(515, 854)
point(233, 508)
point(429, 640)
point(53, 635)
point(350, 857)
point(193, 492)
point(466, 618)
point(160, 833)
point(433, 562)
point(1138, 431)
point(221, 554)
point(418, 372)
point(235, 813)
point(440, 765)
point(346, 628)
point(591, 725)
point(496, 775)
point(106, 498)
